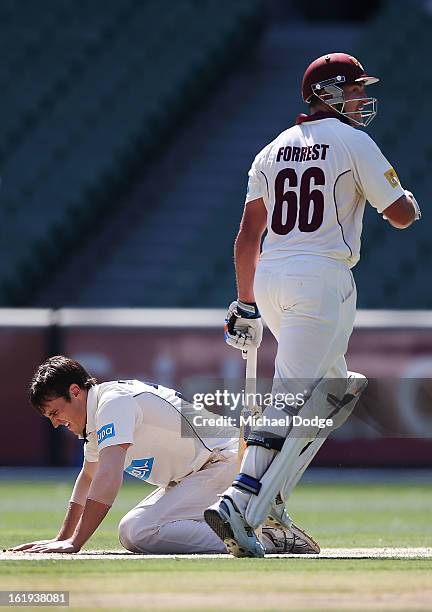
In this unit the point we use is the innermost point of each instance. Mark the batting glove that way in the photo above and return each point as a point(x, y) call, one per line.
point(243, 325)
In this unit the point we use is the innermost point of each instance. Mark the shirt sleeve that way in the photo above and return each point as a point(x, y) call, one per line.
point(91, 453)
point(374, 175)
point(115, 422)
point(256, 184)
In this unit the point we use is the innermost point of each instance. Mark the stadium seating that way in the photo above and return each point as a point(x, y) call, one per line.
point(90, 93)
point(393, 262)
point(397, 261)
point(188, 261)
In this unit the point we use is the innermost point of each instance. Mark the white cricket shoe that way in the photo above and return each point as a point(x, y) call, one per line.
point(285, 536)
point(230, 526)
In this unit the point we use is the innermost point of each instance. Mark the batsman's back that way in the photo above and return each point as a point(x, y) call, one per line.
point(314, 179)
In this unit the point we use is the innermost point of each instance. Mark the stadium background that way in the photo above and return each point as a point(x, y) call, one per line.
point(128, 130)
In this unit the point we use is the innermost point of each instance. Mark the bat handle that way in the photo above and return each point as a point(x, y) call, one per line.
point(251, 363)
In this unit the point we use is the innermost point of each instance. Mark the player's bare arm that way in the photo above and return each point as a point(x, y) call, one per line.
point(74, 509)
point(403, 212)
point(247, 247)
point(243, 325)
point(101, 495)
point(78, 500)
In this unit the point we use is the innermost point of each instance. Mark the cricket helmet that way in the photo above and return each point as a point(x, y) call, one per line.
point(325, 78)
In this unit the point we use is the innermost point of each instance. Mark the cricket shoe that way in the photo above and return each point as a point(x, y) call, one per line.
point(292, 540)
point(230, 526)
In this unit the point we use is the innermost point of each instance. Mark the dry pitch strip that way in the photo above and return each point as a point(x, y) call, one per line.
point(326, 553)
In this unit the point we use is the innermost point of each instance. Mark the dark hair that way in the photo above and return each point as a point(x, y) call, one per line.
point(53, 378)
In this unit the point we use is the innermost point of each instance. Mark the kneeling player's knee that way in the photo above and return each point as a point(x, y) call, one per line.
point(135, 534)
point(125, 533)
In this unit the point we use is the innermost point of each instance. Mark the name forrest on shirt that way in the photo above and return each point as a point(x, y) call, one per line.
point(301, 154)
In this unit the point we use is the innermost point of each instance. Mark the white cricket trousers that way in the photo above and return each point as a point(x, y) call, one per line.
point(309, 303)
point(170, 520)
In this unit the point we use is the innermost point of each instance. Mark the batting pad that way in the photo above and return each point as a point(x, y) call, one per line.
point(302, 444)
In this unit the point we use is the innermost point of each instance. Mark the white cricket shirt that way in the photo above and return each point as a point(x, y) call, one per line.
point(148, 417)
point(315, 179)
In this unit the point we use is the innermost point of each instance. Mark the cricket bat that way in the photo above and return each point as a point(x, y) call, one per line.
point(249, 407)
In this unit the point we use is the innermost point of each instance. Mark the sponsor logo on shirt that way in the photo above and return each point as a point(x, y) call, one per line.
point(392, 177)
point(105, 432)
point(140, 468)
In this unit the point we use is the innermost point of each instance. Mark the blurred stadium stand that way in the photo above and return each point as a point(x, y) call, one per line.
point(122, 188)
point(394, 264)
point(90, 92)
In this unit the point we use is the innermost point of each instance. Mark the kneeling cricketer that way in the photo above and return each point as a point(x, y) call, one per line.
point(136, 427)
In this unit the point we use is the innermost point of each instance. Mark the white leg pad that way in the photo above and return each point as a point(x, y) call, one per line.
point(289, 465)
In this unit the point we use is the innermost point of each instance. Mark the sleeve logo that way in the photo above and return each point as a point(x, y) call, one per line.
point(105, 432)
point(140, 468)
point(392, 177)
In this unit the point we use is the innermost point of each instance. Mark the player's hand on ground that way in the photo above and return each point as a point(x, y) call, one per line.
point(243, 326)
point(59, 546)
point(32, 544)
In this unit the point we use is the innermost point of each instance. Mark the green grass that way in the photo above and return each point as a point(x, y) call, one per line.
point(336, 515)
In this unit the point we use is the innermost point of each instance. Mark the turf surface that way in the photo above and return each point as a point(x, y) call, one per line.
point(336, 515)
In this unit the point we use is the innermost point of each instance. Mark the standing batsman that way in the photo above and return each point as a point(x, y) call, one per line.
point(308, 188)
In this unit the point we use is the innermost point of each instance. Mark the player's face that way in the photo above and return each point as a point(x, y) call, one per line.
point(71, 414)
point(353, 95)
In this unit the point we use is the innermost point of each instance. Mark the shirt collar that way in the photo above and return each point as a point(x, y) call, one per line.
point(92, 397)
point(302, 118)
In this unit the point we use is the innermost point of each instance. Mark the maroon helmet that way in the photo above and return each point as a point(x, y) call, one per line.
point(325, 77)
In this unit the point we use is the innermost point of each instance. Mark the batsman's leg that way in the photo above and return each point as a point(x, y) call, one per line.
point(313, 332)
point(312, 323)
point(299, 451)
point(224, 517)
point(332, 399)
point(357, 383)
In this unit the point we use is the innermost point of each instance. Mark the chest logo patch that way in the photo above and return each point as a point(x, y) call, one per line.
point(140, 468)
